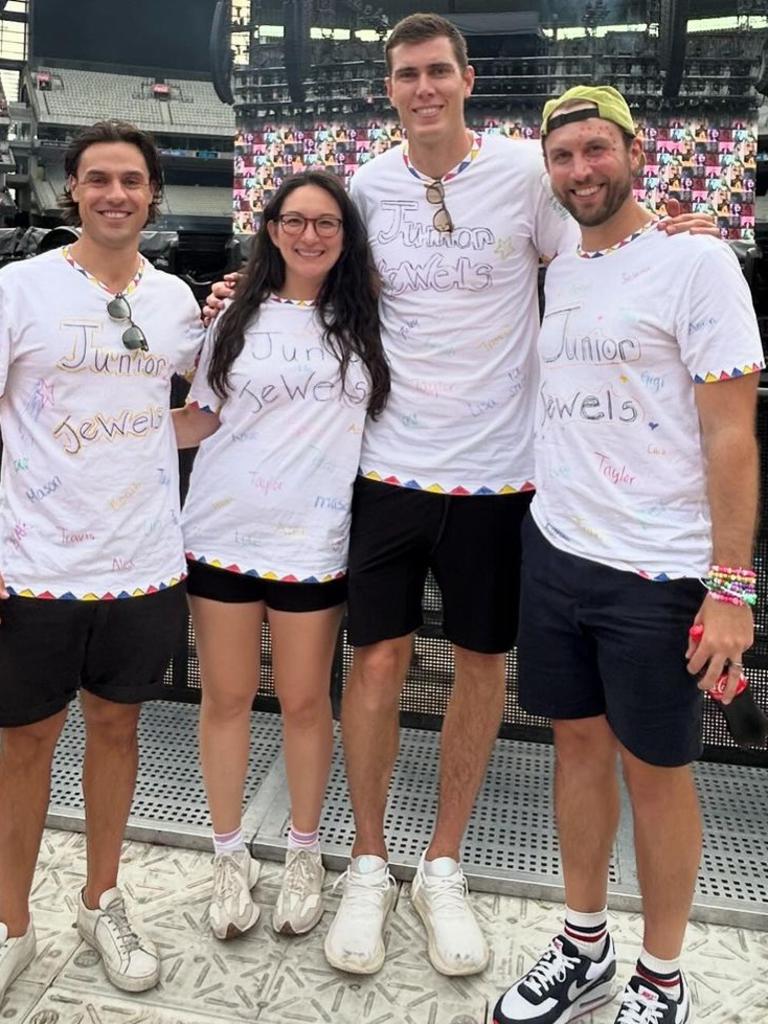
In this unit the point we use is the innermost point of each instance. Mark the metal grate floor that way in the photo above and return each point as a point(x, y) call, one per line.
point(510, 846)
point(169, 790)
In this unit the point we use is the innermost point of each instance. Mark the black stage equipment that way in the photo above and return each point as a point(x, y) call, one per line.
point(673, 24)
point(221, 52)
point(761, 82)
point(296, 22)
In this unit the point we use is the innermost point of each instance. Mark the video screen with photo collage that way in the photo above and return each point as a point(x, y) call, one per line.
point(707, 165)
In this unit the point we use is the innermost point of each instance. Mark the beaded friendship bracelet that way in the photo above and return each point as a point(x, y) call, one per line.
point(737, 586)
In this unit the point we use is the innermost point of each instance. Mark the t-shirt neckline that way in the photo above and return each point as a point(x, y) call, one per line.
point(302, 303)
point(130, 287)
point(465, 162)
point(593, 254)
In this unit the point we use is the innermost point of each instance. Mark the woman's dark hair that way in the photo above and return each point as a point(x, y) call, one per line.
point(347, 303)
point(111, 131)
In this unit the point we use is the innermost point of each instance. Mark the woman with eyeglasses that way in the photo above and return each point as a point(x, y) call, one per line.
point(287, 376)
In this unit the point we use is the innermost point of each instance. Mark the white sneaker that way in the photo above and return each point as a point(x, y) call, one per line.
point(455, 944)
point(131, 962)
point(644, 1003)
point(15, 955)
point(561, 986)
point(299, 904)
point(232, 910)
point(355, 941)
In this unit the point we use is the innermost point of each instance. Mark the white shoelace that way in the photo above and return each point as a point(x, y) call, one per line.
point(640, 1011)
point(448, 895)
point(360, 899)
point(118, 919)
point(552, 966)
point(227, 877)
point(300, 876)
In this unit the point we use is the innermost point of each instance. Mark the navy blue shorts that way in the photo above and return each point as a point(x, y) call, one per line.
point(598, 641)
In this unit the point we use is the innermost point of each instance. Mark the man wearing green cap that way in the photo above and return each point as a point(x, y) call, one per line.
point(641, 528)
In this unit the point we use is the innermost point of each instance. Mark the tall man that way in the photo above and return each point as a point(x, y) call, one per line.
point(91, 553)
point(646, 471)
point(458, 223)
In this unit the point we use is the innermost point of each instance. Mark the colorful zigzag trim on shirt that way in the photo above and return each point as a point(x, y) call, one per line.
point(477, 144)
point(303, 303)
point(46, 595)
point(436, 488)
point(128, 290)
point(711, 378)
point(270, 575)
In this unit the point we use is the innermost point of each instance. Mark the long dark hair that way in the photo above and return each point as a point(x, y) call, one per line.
point(347, 303)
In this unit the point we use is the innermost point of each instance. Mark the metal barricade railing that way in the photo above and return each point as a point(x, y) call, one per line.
point(428, 684)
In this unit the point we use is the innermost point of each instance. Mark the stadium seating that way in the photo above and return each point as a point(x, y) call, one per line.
point(197, 201)
point(77, 97)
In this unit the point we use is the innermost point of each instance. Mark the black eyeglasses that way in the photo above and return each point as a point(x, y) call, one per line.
point(133, 336)
point(436, 196)
point(296, 224)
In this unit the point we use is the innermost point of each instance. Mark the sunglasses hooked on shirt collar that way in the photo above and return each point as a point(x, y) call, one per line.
point(118, 308)
point(436, 196)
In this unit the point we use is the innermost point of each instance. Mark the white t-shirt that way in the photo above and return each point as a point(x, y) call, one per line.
point(627, 336)
point(89, 489)
point(459, 316)
point(271, 490)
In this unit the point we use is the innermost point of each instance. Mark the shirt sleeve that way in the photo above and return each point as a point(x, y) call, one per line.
point(715, 321)
point(194, 335)
point(554, 230)
point(201, 393)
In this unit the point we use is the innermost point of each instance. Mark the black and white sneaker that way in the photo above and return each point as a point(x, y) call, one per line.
point(643, 1003)
point(561, 986)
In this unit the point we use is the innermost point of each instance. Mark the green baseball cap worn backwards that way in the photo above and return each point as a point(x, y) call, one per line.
point(609, 104)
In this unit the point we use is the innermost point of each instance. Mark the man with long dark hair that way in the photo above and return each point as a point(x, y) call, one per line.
point(91, 555)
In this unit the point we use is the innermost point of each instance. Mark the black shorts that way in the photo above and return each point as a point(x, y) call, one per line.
point(237, 588)
point(118, 650)
point(470, 543)
point(598, 641)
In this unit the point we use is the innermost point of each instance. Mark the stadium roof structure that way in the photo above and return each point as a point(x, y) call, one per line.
point(563, 12)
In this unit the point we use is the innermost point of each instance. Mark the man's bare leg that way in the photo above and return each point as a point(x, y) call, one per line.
point(370, 723)
point(586, 808)
point(109, 779)
point(470, 728)
point(667, 822)
point(26, 753)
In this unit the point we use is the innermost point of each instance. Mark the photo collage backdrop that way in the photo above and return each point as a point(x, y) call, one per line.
point(709, 165)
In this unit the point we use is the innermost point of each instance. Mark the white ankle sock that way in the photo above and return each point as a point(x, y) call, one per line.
point(440, 867)
point(303, 840)
point(664, 974)
point(587, 931)
point(228, 842)
point(367, 863)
